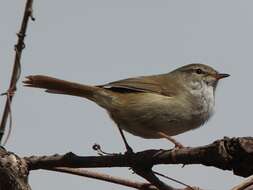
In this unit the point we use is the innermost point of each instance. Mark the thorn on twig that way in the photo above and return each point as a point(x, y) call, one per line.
point(20, 35)
point(32, 17)
point(10, 92)
point(100, 152)
point(22, 46)
point(31, 14)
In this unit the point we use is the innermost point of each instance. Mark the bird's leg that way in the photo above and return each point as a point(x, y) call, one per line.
point(129, 150)
point(176, 143)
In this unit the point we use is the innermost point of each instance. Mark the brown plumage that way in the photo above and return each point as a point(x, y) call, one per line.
point(156, 106)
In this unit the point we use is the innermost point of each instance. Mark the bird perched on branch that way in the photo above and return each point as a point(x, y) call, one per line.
point(156, 106)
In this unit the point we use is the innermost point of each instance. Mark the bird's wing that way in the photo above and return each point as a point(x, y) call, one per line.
point(158, 84)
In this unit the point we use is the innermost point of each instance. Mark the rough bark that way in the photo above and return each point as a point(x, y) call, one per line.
point(234, 154)
point(13, 172)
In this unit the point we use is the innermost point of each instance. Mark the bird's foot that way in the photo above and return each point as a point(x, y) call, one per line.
point(129, 150)
point(178, 145)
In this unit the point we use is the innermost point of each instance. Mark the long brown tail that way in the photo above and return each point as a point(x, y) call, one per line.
point(58, 86)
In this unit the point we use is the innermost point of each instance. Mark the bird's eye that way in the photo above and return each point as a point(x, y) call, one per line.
point(199, 71)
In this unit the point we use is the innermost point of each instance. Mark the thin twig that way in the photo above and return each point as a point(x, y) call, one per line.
point(17, 66)
point(148, 174)
point(245, 184)
point(10, 120)
point(105, 177)
point(172, 179)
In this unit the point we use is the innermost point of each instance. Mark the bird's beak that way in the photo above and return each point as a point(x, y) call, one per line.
point(221, 76)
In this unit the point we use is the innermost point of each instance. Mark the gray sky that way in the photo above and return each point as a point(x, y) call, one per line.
point(99, 41)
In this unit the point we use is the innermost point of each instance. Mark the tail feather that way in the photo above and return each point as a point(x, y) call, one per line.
point(58, 86)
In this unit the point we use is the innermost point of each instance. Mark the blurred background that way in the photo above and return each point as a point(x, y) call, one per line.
point(95, 42)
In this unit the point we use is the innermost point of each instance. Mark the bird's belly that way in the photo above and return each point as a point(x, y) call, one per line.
point(150, 127)
point(155, 113)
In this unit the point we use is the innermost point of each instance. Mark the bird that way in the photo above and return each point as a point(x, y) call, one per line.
point(151, 107)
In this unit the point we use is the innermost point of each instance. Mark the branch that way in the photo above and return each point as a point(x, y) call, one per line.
point(13, 172)
point(147, 174)
point(106, 177)
point(16, 67)
point(121, 181)
point(234, 154)
point(228, 153)
point(245, 185)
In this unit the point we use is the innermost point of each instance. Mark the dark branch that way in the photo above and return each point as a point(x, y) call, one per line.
point(147, 174)
point(13, 172)
point(229, 153)
point(235, 154)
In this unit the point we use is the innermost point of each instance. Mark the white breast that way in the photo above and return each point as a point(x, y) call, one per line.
point(208, 99)
point(205, 96)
